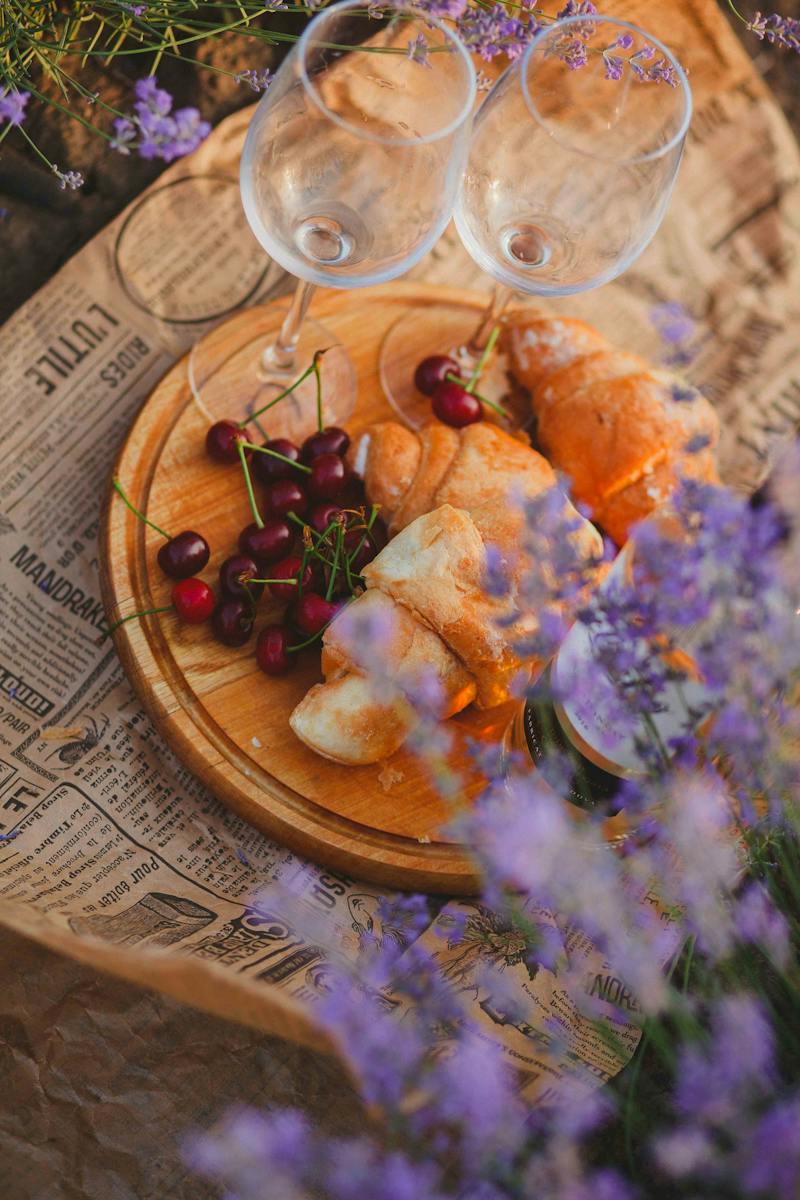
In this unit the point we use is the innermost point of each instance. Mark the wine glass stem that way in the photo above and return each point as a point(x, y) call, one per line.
point(282, 353)
point(497, 306)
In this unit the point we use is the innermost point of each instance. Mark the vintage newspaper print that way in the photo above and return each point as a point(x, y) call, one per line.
point(109, 849)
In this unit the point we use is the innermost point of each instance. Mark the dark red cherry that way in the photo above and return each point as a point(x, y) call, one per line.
point(222, 441)
point(272, 647)
point(289, 569)
point(312, 612)
point(454, 405)
point(232, 622)
point(363, 551)
point(267, 543)
point(193, 600)
point(431, 372)
point(353, 495)
point(183, 555)
point(321, 516)
point(235, 575)
point(285, 496)
point(267, 469)
point(328, 475)
point(326, 441)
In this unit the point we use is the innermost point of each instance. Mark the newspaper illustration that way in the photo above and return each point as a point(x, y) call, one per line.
point(109, 849)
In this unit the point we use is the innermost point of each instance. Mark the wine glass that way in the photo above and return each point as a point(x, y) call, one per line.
point(572, 162)
point(349, 174)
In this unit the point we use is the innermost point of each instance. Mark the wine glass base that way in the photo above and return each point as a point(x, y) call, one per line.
point(232, 383)
point(443, 329)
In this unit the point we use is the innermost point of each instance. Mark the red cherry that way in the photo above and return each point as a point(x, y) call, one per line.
point(235, 577)
point(183, 555)
point(222, 441)
point(232, 622)
point(272, 647)
point(285, 496)
point(353, 495)
point(268, 542)
point(267, 469)
point(328, 475)
point(431, 372)
point(321, 516)
point(289, 568)
point(373, 543)
point(311, 613)
point(193, 601)
point(326, 441)
point(454, 405)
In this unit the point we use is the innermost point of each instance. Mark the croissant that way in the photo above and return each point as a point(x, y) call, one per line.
point(445, 495)
point(622, 430)
point(436, 627)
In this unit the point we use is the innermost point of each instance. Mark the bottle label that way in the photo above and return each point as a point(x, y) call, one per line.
point(593, 731)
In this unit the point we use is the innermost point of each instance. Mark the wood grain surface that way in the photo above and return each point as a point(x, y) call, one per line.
point(226, 720)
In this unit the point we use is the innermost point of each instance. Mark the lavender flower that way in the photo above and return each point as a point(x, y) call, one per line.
point(154, 130)
point(493, 31)
point(444, 9)
point(12, 106)
point(259, 79)
point(777, 30)
point(418, 50)
point(770, 1153)
point(68, 179)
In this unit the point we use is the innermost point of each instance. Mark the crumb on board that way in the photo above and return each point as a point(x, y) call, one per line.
point(254, 741)
point(424, 839)
point(390, 776)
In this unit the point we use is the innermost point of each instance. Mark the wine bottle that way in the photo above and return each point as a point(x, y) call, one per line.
point(560, 736)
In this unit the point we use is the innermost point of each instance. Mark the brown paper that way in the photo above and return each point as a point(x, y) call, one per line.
point(112, 853)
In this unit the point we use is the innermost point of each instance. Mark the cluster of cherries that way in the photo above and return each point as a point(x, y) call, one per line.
point(453, 398)
point(308, 548)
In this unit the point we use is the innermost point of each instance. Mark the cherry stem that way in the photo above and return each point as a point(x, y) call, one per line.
point(282, 396)
point(146, 612)
point(315, 365)
point(289, 579)
point(315, 638)
point(249, 485)
point(119, 489)
point(481, 363)
point(498, 408)
point(336, 555)
point(275, 454)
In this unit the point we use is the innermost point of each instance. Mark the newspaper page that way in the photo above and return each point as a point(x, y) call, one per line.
point(110, 851)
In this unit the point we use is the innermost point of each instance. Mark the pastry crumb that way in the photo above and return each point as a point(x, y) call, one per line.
point(389, 776)
point(424, 839)
point(255, 742)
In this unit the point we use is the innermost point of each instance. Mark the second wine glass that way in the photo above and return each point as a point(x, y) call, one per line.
point(349, 174)
point(571, 166)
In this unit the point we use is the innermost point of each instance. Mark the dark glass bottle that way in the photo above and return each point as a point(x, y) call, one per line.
point(541, 733)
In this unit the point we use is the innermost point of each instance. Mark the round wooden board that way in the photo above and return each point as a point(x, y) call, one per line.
point(226, 720)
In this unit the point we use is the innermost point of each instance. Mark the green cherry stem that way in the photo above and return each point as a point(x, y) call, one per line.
point(336, 555)
point(498, 408)
point(481, 363)
point(315, 365)
point(289, 579)
point(249, 485)
point(282, 396)
point(120, 491)
point(275, 454)
point(146, 612)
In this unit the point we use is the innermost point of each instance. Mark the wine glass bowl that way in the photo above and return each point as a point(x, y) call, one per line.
point(572, 161)
point(570, 169)
point(353, 160)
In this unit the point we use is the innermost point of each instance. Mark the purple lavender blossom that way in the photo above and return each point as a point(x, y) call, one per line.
point(449, 10)
point(418, 50)
point(778, 30)
point(12, 106)
point(259, 79)
point(154, 130)
point(770, 1153)
point(493, 31)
